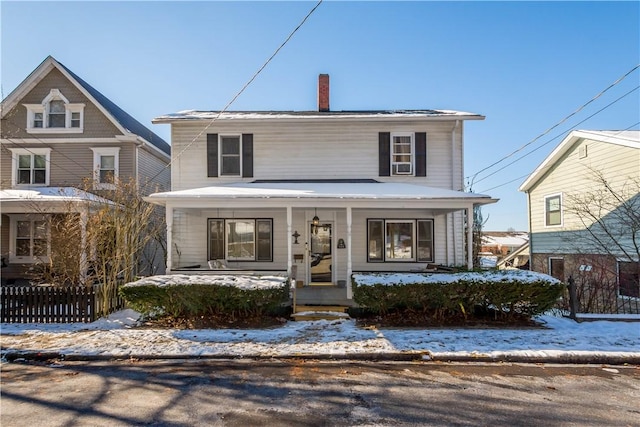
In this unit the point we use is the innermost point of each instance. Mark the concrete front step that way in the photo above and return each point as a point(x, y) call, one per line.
point(319, 315)
point(322, 295)
point(334, 308)
point(320, 312)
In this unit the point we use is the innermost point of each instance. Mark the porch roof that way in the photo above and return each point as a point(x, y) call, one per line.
point(344, 191)
point(48, 195)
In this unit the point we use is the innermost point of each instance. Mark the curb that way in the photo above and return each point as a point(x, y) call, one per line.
point(416, 356)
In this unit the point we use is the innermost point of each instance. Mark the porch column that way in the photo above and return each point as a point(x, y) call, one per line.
point(84, 219)
point(349, 259)
point(470, 237)
point(169, 220)
point(288, 237)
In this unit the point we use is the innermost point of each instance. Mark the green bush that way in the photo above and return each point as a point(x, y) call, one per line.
point(202, 299)
point(505, 294)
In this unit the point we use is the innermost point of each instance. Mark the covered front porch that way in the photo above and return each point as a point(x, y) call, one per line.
point(319, 232)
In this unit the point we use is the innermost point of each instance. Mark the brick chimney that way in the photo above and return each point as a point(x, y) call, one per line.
point(323, 92)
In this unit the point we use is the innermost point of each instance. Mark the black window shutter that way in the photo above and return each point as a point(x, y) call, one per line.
point(421, 154)
point(212, 155)
point(384, 154)
point(247, 155)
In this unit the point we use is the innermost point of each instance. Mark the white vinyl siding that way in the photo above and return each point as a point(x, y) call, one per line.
point(190, 237)
point(313, 150)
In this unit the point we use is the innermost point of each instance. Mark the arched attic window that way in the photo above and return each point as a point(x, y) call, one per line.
point(55, 114)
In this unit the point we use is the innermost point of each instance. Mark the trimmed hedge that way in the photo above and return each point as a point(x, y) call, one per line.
point(461, 294)
point(190, 300)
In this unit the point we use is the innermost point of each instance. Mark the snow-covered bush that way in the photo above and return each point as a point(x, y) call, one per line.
point(505, 294)
point(191, 295)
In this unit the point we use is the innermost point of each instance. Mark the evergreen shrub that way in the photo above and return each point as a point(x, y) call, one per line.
point(195, 300)
point(505, 295)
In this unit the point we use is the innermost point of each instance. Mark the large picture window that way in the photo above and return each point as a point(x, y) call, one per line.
point(240, 239)
point(402, 240)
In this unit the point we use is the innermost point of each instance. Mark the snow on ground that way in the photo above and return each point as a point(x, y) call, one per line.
point(117, 336)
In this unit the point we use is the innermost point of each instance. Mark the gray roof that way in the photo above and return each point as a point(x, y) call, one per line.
point(124, 118)
point(291, 115)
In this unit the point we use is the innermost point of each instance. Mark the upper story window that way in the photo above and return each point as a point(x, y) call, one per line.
point(229, 155)
point(402, 154)
point(230, 149)
point(106, 165)
point(30, 166)
point(55, 114)
point(553, 210)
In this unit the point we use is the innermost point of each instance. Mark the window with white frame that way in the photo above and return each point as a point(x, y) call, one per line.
point(402, 240)
point(553, 210)
point(106, 161)
point(230, 155)
point(240, 239)
point(55, 114)
point(402, 152)
point(30, 166)
point(30, 239)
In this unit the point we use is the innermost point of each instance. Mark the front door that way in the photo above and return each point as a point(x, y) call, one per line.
point(320, 259)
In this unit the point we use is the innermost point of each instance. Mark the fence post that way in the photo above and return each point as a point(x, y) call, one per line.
point(573, 299)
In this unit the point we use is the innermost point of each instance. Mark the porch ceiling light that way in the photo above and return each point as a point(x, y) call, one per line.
point(315, 219)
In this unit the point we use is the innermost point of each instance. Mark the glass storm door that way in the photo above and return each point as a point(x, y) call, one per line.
point(320, 260)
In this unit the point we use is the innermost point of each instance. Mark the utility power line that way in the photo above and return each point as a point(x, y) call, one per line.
point(246, 85)
point(547, 167)
point(560, 134)
point(615, 83)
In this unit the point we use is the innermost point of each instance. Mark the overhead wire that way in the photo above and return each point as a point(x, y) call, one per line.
point(560, 134)
point(235, 97)
point(246, 85)
point(547, 167)
point(602, 92)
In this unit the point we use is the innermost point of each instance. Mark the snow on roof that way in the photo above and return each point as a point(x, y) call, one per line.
point(505, 239)
point(245, 282)
point(281, 115)
point(369, 279)
point(360, 190)
point(50, 194)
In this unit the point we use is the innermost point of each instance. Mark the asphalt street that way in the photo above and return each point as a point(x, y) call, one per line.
point(193, 392)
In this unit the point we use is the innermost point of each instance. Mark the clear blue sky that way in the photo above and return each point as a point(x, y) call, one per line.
point(523, 65)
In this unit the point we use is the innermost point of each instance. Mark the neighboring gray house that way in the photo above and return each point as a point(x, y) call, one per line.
point(322, 192)
point(584, 210)
point(58, 131)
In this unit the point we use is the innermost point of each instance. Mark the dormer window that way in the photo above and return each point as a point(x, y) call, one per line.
point(55, 115)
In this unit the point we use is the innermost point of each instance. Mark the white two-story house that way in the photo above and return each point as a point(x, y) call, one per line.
point(323, 193)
